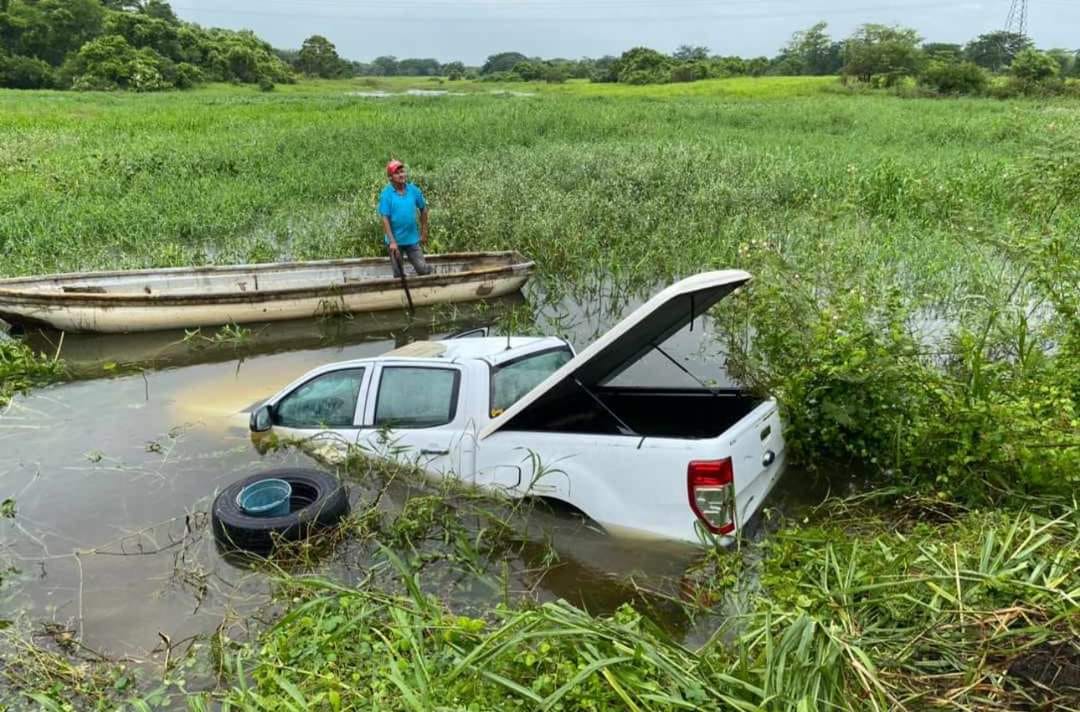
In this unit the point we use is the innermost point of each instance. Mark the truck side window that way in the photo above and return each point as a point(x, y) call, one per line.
point(510, 381)
point(326, 401)
point(412, 397)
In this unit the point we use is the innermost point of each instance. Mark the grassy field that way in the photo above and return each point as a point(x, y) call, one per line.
point(915, 311)
point(576, 176)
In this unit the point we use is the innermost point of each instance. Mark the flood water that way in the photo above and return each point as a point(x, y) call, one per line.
point(113, 476)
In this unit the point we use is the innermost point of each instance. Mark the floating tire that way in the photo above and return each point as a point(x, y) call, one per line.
point(318, 500)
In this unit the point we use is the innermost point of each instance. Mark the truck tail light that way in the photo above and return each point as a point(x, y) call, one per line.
point(710, 485)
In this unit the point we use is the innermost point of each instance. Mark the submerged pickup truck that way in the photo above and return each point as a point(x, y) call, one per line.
point(530, 417)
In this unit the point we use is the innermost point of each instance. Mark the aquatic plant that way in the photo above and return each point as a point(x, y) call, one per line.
point(21, 368)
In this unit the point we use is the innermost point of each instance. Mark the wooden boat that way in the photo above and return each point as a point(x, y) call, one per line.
point(147, 300)
point(89, 355)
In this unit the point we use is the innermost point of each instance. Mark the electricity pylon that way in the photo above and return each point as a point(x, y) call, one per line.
point(1016, 22)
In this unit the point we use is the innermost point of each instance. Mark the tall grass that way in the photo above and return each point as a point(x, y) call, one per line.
point(936, 616)
point(578, 182)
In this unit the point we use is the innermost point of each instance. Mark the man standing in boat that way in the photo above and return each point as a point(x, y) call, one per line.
point(399, 205)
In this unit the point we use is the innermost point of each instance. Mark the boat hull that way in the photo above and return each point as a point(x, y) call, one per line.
point(88, 311)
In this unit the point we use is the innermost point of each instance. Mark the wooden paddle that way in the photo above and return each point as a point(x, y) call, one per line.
point(404, 284)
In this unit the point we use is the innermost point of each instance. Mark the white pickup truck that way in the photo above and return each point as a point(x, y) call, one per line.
point(528, 416)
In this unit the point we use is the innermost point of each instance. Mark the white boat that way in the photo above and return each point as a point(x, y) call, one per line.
point(171, 298)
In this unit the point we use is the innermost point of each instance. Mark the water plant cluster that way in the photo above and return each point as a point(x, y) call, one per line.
point(21, 368)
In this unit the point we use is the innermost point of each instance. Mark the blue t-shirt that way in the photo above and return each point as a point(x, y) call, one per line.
point(401, 209)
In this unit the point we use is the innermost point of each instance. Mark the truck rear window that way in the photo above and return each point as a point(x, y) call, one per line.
point(511, 380)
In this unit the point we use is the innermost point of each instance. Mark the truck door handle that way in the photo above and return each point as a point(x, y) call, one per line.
point(429, 451)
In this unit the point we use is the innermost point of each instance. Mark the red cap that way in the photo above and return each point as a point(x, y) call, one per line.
point(393, 167)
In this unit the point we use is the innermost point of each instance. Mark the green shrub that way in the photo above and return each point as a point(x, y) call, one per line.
point(25, 73)
point(955, 78)
point(1033, 66)
point(642, 65)
point(21, 368)
point(110, 62)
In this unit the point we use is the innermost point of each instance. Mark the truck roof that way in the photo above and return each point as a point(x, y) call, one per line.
point(493, 349)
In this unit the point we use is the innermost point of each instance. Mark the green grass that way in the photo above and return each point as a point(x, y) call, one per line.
point(576, 177)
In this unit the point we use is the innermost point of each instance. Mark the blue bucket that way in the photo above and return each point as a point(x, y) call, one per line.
point(265, 498)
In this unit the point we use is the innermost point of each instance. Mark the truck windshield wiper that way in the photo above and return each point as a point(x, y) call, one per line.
point(624, 429)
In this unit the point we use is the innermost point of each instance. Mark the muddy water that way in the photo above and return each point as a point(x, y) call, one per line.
point(113, 478)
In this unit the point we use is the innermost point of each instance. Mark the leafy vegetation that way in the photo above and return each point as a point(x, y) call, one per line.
point(21, 368)
point(93, 44)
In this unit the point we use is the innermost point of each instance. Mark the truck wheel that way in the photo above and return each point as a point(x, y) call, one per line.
point(318, 500)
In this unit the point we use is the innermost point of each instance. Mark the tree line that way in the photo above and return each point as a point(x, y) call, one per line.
point(124, 44)
point(141, 45)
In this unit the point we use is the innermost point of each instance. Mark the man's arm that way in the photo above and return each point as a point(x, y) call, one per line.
point(423, 226)
point(389, 234)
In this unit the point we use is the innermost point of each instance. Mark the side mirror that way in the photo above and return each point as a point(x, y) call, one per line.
point(260, 419)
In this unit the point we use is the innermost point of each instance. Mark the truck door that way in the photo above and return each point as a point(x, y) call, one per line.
point(415, 416)
point(329, 404)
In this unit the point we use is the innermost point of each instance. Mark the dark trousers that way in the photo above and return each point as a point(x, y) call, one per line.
point(416, 258)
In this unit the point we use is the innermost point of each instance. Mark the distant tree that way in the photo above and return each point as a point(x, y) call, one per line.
point(109, 62)
point(50, 29)
point(757, 66)
point(288, 56)
point(555, 72)
point(691, 71)
point(144, 31)
point(642, 65)
point(454, 70)
point(25, 73)
point(995, 50)
point(943, 51)
point(1066, 60)
point(527, 71)
point(385, 66)
point(1033, 66)
point(502, 62)
point(603, 69)
point(882, 51)
point(123, 5)
point(318, 57)
point(160, 10)
point(414, 67)
point(812, 51)
point(688, 53)
point(728, 66)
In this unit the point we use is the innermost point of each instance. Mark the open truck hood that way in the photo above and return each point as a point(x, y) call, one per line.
point(629, 340)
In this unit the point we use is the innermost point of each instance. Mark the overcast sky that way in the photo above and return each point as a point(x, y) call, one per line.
point(470, 30)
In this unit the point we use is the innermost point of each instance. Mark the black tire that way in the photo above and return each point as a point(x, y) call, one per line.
point(318, 500)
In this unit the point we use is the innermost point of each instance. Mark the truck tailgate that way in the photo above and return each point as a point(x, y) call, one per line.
point(756, 444)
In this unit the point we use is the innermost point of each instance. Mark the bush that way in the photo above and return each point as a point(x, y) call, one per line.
point(25, 73)
point(1034, 66)
point(188, 75)
point(111, 63)
point(690, 71)
point(955, 78)
point(642, 65)
point(1014, 87)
